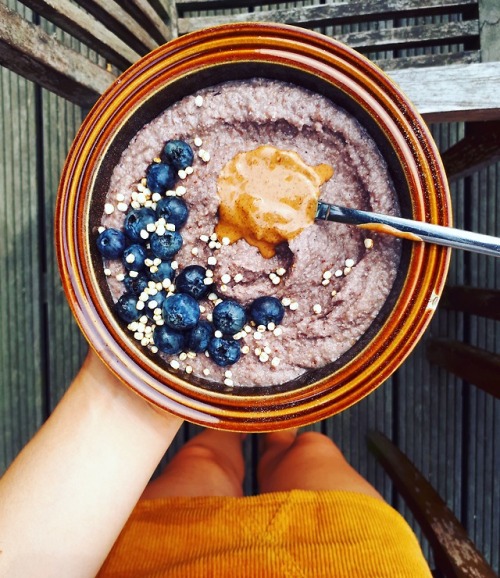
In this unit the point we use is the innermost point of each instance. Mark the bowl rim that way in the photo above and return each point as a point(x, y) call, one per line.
point(331, 61)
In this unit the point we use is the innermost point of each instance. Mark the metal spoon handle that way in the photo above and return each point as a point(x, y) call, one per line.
point(412, 230)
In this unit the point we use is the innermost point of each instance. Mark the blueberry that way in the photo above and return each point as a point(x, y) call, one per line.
point(181, 311)
point(168, 340)
point(137, 220)
point(173, 209)
point(160, 177)
point(178, 153)
point(197, 338)
point(126, 307)
point(136, 285)
point(229, 317)
point(166, 246)
point(134, 257)
point(163, 271)
point(265, 310)
point(190, 281)
point(224, 351)
point(111, 243)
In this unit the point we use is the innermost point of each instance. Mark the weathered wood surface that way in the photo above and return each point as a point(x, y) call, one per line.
point(83, 26)
point(454, 552)
point(440, 93)
point(121, 23)
point(460, 92)
point(366, 7)
point(407, 37)
point(150, 19)
point(426, 60)
point(29, 51)
point(326, 14)
point(167, 12)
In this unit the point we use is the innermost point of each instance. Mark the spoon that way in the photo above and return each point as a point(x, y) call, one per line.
point(409, 229)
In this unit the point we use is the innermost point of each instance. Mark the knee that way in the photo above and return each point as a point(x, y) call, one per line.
point(318, 442)
point(196, 453)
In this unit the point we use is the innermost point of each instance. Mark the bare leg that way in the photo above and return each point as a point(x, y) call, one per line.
point(310, 461)
point(210, 464)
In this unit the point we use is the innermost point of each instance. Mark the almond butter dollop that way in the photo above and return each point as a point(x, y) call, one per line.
point(268, 196)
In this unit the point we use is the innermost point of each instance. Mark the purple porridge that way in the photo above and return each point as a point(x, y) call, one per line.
point(332, 279)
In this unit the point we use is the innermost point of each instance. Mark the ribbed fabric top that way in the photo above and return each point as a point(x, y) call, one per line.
point(286, 534)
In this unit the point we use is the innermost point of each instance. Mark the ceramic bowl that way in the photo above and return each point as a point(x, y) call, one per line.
point(206, 58)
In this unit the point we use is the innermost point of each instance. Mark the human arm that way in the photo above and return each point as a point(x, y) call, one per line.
point(68, 494)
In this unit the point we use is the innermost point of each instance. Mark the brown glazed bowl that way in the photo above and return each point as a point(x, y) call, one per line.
point(206, 58)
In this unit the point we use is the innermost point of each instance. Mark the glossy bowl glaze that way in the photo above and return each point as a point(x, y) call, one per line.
point(206, 58)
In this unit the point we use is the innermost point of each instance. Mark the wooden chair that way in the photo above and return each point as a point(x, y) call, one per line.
point(455, 555)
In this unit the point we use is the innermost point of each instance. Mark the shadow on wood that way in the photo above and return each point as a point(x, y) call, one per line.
point(479, 148)
point(473, 365)
point(472, 300)
point(477, 366)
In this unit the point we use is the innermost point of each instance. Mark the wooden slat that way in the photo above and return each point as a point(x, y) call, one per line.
point(410, 7)
point(454, 552)
point(165, 9)
point(86, 28)
point(453, 93)
point(471, 364)
point(121, 23)
point(144, 13)
point(472, 300)
point(30, 52)
point(192, 5)
point(408, 37)
point(328, 14)
point(427, 60)
point(480, 147)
